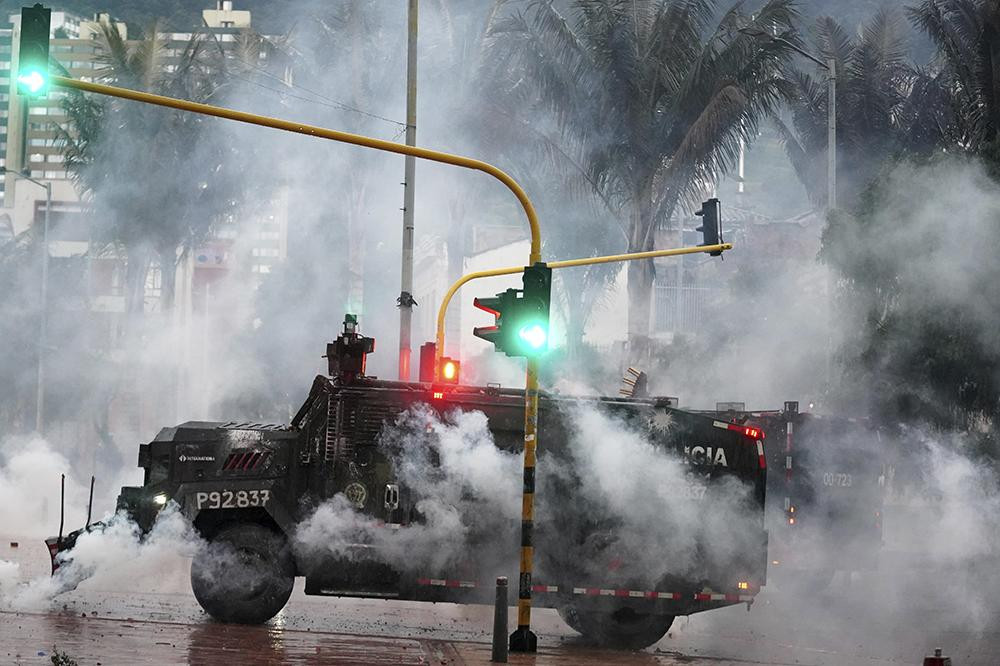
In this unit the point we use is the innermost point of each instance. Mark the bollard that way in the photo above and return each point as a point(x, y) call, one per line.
point(937, 659)
point(500, 623)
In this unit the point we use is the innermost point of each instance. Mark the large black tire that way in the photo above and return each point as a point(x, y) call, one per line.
point(244, 575)
point(623, 628)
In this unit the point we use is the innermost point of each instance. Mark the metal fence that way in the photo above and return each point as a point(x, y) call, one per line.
point(681, 309)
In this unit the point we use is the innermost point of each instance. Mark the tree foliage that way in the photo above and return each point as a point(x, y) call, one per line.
point(913, 274)
point(885, 107)
point(157, 179)
point(654, 96)
point(921, 151)
point(967, 36)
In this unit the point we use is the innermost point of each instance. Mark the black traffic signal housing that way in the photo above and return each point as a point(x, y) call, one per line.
point(521, 327)
point(711, 224)
point(33, 51)
point(532, 327)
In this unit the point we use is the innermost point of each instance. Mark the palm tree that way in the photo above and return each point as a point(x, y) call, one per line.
point(482, 116)
point(654, 96)
point(967, 36)
point(885, 107)
point(157, 179)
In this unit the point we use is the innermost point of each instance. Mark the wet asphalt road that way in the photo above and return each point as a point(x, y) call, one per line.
point(157, 621)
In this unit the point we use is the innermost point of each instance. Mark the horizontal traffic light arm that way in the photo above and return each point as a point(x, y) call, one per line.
point(323, 133)
point(568, 263)
point(633, 256)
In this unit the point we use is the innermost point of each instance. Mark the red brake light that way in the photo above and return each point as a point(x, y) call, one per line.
point(748, 431)
point(438, 395)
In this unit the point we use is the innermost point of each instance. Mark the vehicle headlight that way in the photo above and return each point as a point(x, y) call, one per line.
point(160, 499)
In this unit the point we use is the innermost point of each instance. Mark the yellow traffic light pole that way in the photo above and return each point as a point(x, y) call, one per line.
point(522, 639)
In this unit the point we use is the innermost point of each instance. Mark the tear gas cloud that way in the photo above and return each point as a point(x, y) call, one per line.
point(466, 490)
point(610, 493)
point(264, 345)
point(29, 489)
point(114, 556)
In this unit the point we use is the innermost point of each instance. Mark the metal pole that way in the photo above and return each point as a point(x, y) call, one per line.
point(499, 654)
point(831, 125)
point(523, 639)
point(409, 170)
point(44, 332)
point(90, 502)
point(831, 168)
point(62, 506)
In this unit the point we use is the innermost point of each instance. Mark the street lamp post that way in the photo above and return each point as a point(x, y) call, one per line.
point(831, 135)
point(406, 301)
point(831, 117)
point(43, 332)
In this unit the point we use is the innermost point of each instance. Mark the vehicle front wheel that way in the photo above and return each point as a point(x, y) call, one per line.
point(244, 575)
point(622, 628)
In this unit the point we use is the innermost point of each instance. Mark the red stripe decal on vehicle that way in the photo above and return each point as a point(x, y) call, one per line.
point(250, 460)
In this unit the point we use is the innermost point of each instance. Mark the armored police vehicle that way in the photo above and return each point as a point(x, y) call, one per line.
point(249, 489)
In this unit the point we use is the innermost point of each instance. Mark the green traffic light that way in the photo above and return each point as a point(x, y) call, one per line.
point(534, 335)
point(33, 82)
point(33, 51)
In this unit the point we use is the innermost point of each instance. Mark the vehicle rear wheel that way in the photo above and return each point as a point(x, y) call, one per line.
point(244, 575)
point(622, 628)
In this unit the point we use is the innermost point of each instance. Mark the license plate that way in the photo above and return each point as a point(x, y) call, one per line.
point(232, 499)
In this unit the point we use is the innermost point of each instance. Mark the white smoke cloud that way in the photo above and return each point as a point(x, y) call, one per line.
point(636, 500)
point(115, 556)
point(30, 470)
point(467, 493)
point(609, 493)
